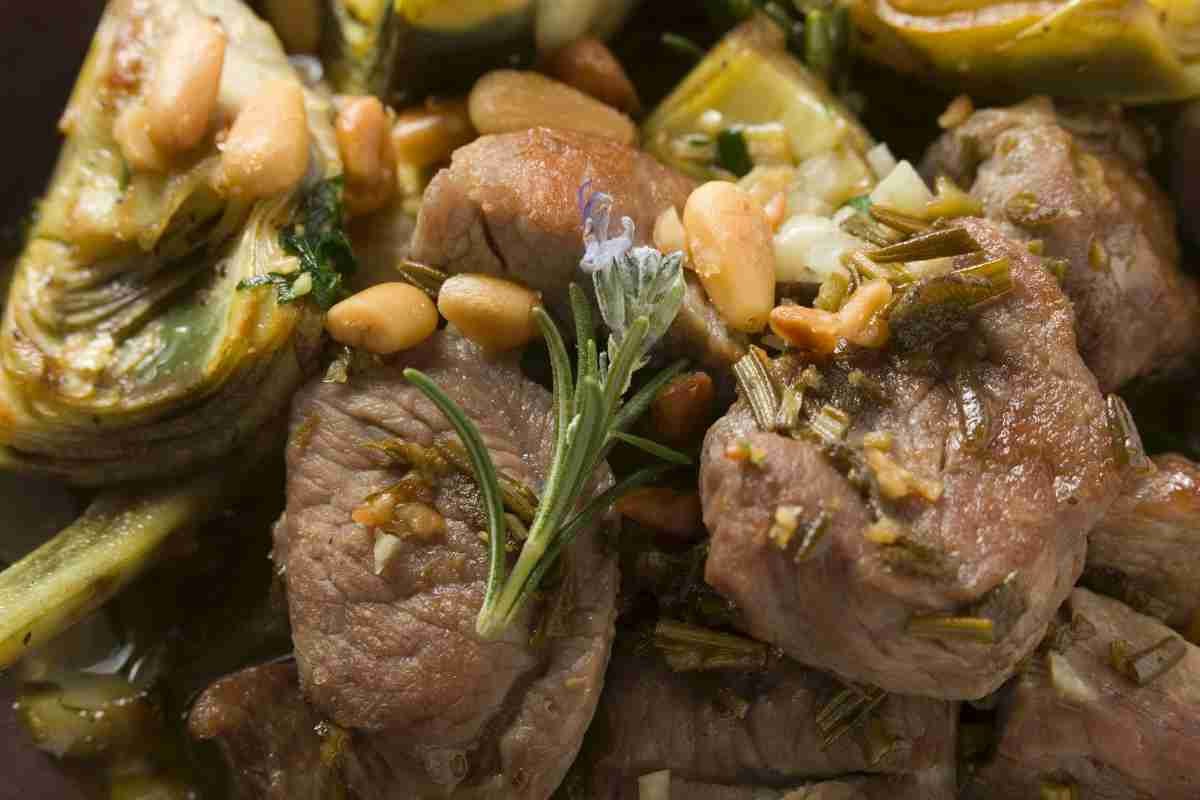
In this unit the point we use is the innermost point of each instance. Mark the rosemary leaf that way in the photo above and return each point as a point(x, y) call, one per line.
point(758, 389)
point(938, 244)
point(946, 627)
point(668, 454)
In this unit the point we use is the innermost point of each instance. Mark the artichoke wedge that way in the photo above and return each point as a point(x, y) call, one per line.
point(380, 46)
point(127, 350)
point(749, 101)
point(1130, 51)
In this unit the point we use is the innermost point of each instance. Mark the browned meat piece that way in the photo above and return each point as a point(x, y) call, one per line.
point(1146, 550)
point(733, 730)
point(509, 205)
point(1185, 169)
point(268, 734)
point(387, 645)
point(1073, 719)
point(991, 461)
point(1076, 180)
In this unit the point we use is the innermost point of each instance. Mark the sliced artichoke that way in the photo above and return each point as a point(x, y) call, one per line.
point(127, 350)
point(1132, 51)
point(750, 103)
point(376, 46)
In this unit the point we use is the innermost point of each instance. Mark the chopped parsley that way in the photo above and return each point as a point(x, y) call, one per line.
point(732, 152)
point(315, 236)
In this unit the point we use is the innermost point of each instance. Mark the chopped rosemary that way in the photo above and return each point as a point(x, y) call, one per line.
point(1146, 665)
point(868, 229)
point(833, 292)
point(942, 243)
point(895, 218)
point(639, 291)
point(947, 627)
point(847, 709)
point(426, 278)
point(787, 418)
point(689, 648)
point(758, 389)
point(831, 424)
point(950, 201)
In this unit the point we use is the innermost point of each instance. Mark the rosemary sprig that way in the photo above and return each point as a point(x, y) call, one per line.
point(640, 292)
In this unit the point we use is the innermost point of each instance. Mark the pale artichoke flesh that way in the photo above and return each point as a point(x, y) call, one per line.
point(1131, 51)
point(750, 83)
point(127, 349)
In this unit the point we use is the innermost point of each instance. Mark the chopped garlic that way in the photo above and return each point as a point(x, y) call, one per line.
point(904, 190)
point(881, 160)
point(387, 547)
point(1067, 682)
point(809, 248)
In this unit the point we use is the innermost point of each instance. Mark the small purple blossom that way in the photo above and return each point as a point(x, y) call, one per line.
point(600, 250)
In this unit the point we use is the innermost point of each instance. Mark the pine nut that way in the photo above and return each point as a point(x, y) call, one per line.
point(732, 252)
point(589, 66)
point(859, 321)
point(183, 91)
point(298, 23)
point(506, 100)
point(427, 135)
point(367, 155)
point(494, 313)
point(266, 152)
point(386, 318)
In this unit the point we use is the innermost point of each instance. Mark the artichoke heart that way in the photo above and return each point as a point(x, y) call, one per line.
point(751, 92)
point(377, 46)
point(126, 349)
point(1131, 51)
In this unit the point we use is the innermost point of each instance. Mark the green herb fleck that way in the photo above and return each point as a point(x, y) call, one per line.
point(316, 238)
point(733, 153)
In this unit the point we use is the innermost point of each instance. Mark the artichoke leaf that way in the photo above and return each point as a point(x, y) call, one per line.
point(380, 46)
point(126, 349)
point(750, 81)
point(1130, 51)
point(120, 535)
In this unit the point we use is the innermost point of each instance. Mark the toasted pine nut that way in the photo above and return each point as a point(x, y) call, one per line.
point(298, 23)
point(266, 152)
point(386, 318)
point(683, 409)
point(183, 92)
point(494, 313)
point(506, 100)
point(858, 321)
point(669, 235)
point(589, 66)
point(667, 510)
point(132, 134)
point(367, 155)
point(428, 134)
point(732, 252)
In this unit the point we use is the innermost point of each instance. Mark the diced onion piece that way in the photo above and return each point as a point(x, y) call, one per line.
point(834, 177)
point(655, 786)
point(809, 248)
point(904, 190)
point(386, 548)
point(881, 160)
point(1067, 682)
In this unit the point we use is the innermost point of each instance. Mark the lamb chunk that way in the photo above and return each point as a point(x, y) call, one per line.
point(993, 521)
point(509, 205)
point(267, 733)
point(736, 732)
point(1146, 550)
point(389, 649)
point(1076, 180)
point(1073, 719)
